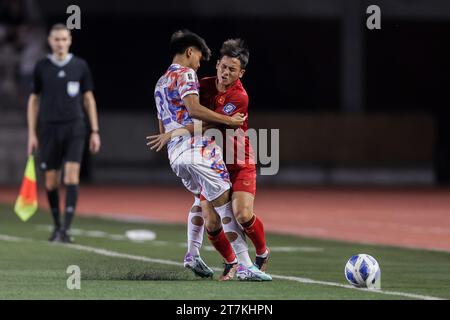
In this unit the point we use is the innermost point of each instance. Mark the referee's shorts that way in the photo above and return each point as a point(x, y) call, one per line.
point(61, 142)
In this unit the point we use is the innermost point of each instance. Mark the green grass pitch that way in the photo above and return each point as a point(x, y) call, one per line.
point(114, 267)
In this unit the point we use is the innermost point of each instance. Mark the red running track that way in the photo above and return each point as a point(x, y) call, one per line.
point(416, 218)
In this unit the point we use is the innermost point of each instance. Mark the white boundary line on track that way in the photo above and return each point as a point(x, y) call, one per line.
point(114, 254)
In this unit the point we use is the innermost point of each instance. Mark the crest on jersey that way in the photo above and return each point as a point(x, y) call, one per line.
point(190, 77)
point(229, 108)
point(73, 87)
point(221, 100)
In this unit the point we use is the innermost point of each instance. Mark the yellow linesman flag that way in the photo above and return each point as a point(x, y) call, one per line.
point(27, 201)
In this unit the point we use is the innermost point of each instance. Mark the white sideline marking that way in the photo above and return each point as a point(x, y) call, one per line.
point(4, 237)
point(132, 235)
point(115, 254)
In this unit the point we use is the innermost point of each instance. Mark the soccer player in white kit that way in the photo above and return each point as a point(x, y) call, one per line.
point(193, 159)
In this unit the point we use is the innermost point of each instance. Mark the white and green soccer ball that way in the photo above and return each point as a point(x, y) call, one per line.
point(363, 271)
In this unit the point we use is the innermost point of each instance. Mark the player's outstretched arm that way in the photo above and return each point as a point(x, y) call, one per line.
point(32, 115)
point(196, 110)
point(161, 127)
point(158, 141)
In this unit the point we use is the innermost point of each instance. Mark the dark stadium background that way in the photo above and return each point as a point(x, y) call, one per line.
point(354, 106)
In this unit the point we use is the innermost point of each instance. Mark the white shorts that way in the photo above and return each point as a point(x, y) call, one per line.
point(203, 170)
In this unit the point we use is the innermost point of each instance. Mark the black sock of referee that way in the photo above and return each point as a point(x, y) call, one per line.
point(53, 200)
point(71, 203)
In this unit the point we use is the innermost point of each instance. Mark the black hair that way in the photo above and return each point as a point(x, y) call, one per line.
point(183, 39)
point(236, 48)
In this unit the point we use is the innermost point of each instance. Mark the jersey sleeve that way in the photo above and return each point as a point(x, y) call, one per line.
point(158, 109)
point(237, 103)
point(36, 84)
point(187, 83)
point(87, 84)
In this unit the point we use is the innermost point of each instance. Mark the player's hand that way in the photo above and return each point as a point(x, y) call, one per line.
point(237, 120)
point(94, 143)
point(33, 144)
point(158, 141)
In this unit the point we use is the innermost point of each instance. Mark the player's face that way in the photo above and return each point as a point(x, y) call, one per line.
point(60, 41)
point(229, 70)
point(194, 57)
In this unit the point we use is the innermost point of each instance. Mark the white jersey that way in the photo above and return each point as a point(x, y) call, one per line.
point(197, 161)
point(172, 87)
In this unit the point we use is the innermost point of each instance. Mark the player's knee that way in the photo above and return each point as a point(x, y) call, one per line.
point(243, 214)
point(51, 180)
point(51, 184)
point(71, 177)
point(213, 225)
point(71, 180)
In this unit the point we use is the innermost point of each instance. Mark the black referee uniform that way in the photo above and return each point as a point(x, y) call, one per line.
point(61, 128)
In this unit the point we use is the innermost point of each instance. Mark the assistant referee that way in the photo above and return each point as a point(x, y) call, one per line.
point(62, 85)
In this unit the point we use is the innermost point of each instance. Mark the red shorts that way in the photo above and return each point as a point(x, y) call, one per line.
point(242, 179)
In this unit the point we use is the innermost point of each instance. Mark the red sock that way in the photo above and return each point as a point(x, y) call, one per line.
point(219, 241)
point(254, 229)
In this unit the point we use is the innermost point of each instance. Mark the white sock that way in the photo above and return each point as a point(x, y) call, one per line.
point(195, 233)
point(239, 245)
point(244, 259)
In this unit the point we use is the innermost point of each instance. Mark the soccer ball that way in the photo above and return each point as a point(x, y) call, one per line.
point(363, 271)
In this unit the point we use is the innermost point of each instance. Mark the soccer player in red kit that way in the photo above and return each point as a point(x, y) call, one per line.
point(225, 94)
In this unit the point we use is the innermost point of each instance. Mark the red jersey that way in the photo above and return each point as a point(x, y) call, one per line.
point(233, 100)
